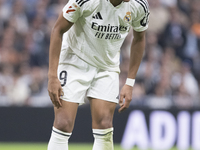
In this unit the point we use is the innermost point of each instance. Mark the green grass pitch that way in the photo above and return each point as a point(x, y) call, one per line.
point(43, 146)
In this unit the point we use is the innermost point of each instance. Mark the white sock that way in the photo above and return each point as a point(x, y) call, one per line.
point(103, 139)
point(58, 140)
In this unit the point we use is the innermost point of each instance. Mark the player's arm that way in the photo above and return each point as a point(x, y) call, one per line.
point(54, 87)
point(137, 50)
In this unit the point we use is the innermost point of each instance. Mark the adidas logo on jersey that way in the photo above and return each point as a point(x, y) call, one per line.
point(97, 16)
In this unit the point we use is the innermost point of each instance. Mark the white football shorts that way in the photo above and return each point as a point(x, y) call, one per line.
point(79, 79)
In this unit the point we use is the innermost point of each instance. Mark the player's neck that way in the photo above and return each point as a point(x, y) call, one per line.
point(117, 2)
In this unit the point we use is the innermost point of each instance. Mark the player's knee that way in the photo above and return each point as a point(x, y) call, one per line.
point(107, 123)
point(64, 125)
point(103, 123)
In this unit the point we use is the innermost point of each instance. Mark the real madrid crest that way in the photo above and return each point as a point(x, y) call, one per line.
point(127, 18)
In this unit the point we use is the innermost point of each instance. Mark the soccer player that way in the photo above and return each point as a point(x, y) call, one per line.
point(84, 61)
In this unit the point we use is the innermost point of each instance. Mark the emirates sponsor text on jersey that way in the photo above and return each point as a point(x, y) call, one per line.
point(108, 31)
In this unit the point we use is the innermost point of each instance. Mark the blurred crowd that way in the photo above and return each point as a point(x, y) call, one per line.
point(169, 75)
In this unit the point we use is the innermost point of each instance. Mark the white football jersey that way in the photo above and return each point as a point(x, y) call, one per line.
point(100, 28)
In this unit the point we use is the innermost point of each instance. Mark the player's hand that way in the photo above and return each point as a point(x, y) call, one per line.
point(125, 97)
point(55, 91)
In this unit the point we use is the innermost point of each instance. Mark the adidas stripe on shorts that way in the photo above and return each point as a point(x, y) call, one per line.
point(79, 79)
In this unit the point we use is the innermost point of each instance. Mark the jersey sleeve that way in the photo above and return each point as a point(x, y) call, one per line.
point(74, 9)
point(140, 23)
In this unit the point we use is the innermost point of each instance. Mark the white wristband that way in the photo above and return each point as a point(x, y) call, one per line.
point(130, 82)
